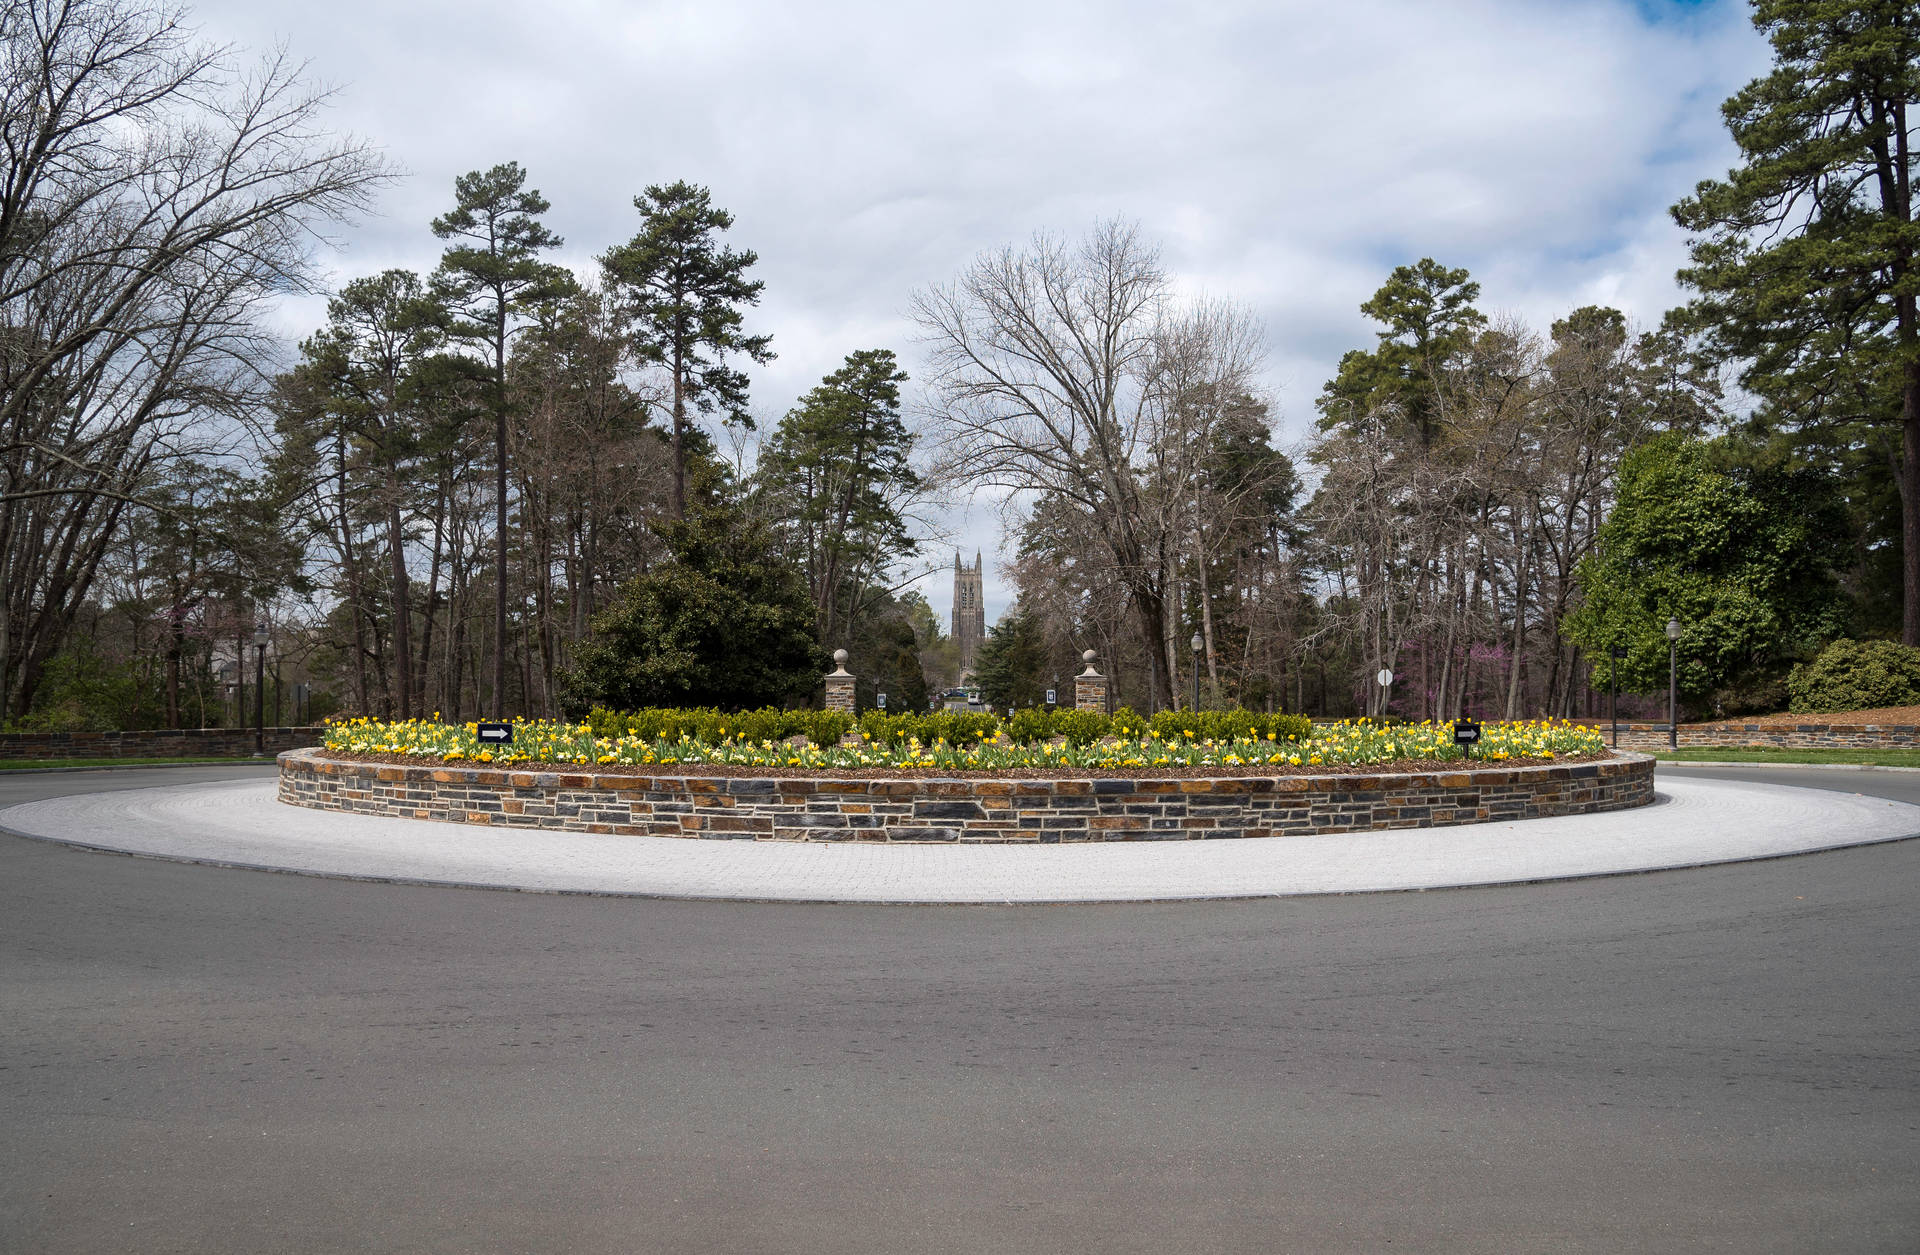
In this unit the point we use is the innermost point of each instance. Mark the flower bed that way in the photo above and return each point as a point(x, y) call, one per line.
point(1349, 743)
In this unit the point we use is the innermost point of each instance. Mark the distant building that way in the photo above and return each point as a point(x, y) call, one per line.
point(969, 610)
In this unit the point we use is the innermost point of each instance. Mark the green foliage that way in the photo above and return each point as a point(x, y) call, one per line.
point(1856, 675)
point(1036, 724)
point(836, 472)
point(81, 691)
point(1011, 665)
point(1029, 726)
point(1128, 724)
point(1742, 554)
point(1081, 727)
point(821, 727)
point(1228, 725)
point(955, 727)
point(1429, 318)
point(683, 293)
point(885, 650)
point(1804, 257)
point(725, 623)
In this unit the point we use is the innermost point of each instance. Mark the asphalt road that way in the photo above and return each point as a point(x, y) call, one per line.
point(202, 1059)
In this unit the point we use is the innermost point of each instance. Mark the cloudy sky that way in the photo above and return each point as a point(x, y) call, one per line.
point(1286, 154)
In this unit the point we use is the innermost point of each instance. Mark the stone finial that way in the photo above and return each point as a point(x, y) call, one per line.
point(1088, 657)
point(839, 662)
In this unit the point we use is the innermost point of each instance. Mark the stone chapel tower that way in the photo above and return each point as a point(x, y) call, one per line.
point(969, 610)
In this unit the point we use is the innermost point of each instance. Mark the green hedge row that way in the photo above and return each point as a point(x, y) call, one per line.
point(822, 727)
point(1025, 727)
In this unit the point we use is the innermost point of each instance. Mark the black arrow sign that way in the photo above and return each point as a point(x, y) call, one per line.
point(495, 733)
point(1466, 732)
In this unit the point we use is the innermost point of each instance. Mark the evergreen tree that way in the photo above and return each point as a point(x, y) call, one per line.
point(1012, 664)
point(684, 293)
point(1429, 318)
point(492, 273)
point(1805, 256)
point(724, 623)
point(1741, 551)
point(836, 473)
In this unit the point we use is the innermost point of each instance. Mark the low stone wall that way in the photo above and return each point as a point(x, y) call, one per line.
point(153, 743)
point(1649, 736)
point(961, 810)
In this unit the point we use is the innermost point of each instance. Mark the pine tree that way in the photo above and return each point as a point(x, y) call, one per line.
point(492, 274)
point(837, 470)
point(684, 293)
point(1804, 256)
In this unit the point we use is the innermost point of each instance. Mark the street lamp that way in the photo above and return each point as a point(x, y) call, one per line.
point(1198, 645)
point(1673, 684)
point(260, 689)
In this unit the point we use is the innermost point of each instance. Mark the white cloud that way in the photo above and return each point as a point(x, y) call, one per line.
point(1287, 155)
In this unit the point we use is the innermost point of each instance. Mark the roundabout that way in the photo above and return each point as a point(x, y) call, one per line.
point(199, 1058)
point(1692, 822)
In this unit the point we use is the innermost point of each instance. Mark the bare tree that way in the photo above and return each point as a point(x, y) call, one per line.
point(1062, 371)
point(154, 198)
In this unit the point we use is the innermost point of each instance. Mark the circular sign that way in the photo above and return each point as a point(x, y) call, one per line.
point(1385, 677)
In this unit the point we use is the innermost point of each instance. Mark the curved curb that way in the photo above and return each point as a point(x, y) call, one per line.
point(238, 825)
point(1753, 766)
point(697, 801)
point(267, 761)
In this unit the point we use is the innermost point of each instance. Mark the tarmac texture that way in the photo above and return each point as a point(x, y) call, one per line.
point(1694, 822)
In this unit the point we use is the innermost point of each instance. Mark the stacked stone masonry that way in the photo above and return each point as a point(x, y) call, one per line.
point(766, 808)
point(1648, 736)
point(153, 743)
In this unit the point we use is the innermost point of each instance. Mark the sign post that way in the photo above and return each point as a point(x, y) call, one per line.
point(1384, 678)
point(1466, 734)
point(881, 700)
point(494, 733)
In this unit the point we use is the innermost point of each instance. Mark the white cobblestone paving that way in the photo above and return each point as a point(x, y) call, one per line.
point(1695, 822)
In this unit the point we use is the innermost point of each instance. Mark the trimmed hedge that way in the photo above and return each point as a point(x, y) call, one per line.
point(1026, 727)
point(1855, 675)
point(1227, 725)
point(821, 727)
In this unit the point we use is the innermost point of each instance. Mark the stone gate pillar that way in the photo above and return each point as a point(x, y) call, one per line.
point(840, 684)
point(1090, 687)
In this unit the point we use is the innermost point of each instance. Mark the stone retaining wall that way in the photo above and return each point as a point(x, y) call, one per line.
point(1648, 736)
point(152, 743)
point(973, 809)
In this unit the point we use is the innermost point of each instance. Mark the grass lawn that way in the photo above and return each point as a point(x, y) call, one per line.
point(42, 764)
point(1862, 757)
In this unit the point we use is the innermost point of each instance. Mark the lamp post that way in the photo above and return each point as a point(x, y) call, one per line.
point(1198, 645)
point(1673, 684)
point(260, 689)
point(1617, 653)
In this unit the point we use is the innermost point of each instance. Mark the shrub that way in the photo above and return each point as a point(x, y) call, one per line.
point(1856, 675)
point(1128, 724)
point(1081, 727)
point(825, 727)
point(1030, 726)
point(1034, 725)
point(1229, 725)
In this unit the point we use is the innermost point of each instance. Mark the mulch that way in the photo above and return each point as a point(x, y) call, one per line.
point(741, 771)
